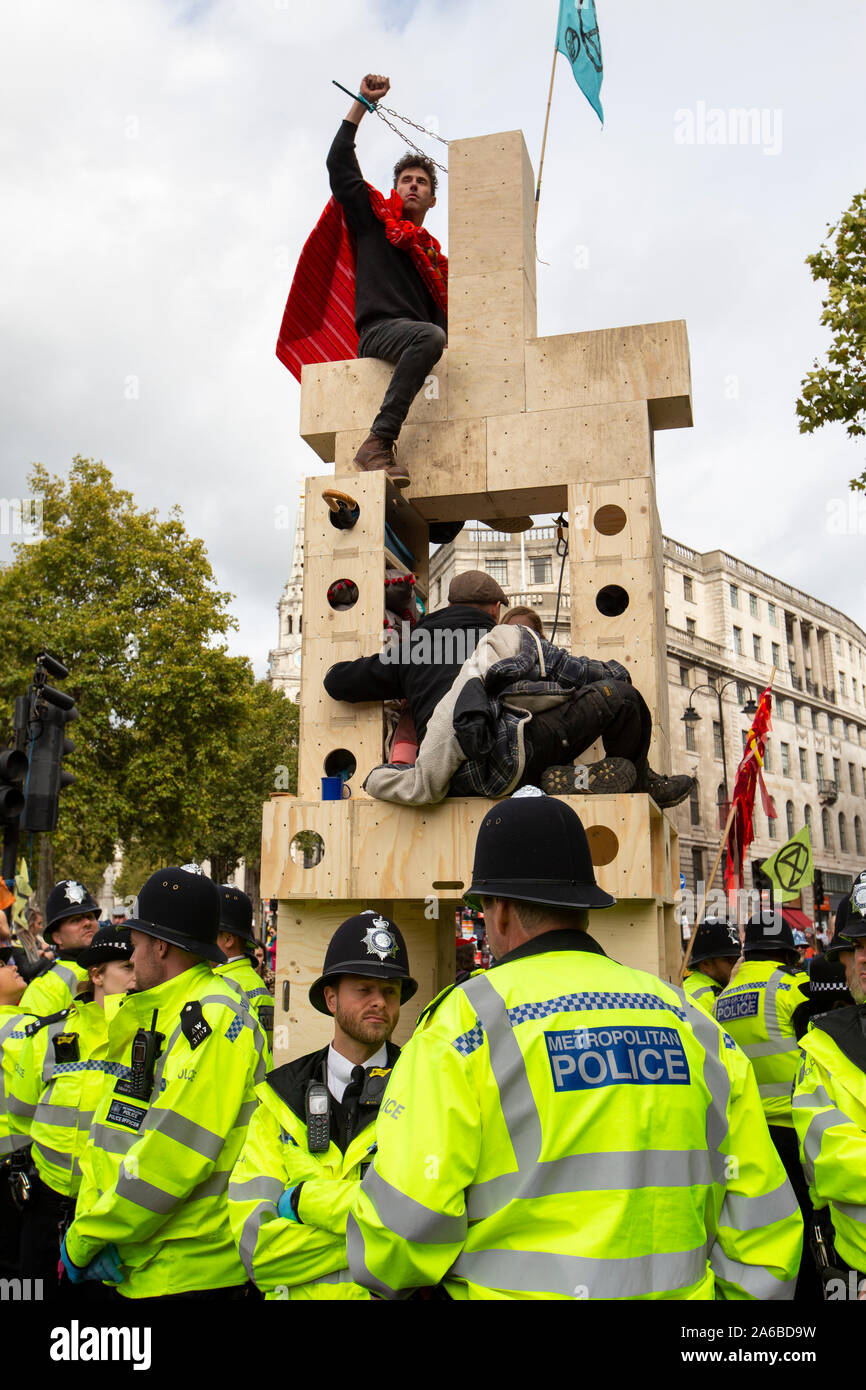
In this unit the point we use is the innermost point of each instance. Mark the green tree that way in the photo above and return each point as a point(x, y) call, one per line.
point(836, 389)
point(128, 602)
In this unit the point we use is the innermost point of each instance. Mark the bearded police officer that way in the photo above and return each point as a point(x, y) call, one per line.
point(563, 1125)
point(72, 917)
point(830, 1109)
point(237, 941)
point(716, 948)
point(151, 1212)
point(314, 1132)
point(58, 1082)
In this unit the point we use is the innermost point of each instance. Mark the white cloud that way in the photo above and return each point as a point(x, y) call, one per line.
point(165, 163)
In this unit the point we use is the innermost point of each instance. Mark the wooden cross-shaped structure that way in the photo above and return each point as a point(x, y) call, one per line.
point(509, 424)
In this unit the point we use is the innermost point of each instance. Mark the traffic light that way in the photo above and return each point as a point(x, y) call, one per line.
point(818, 888)
point(50, 711)
point(13, 766)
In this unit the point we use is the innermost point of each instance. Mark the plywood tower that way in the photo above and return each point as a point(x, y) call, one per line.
point(511, 424)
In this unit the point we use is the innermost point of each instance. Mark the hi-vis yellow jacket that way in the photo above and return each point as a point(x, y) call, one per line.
point(55, 990)
point(13, 1022)
point(287, 1260)
point(757, 1008)
point(830, 1120)
point(155, 1173)
point(60, 1075)
point(564, 1127)
point(253, 988)
point(702, 990)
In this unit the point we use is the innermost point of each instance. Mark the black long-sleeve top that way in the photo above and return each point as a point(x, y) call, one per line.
point(422, 682)
point(387, 285)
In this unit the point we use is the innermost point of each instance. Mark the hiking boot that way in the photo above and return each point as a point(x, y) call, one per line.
point(397, 472)
point(607, 777)
point(510, 524)
point(375, 454)
point(665, 791)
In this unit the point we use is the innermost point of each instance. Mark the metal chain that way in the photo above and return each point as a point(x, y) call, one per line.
point(403, 136)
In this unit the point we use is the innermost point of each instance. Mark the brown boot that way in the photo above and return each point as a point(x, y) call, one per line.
point(374, 454)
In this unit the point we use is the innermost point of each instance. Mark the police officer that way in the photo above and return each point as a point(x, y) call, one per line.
point(716, 948)
point(58, 1083)
point(764, 1008)
point(561, 1126)
point(830, 1108)
point(151, 1213)
point(72, 915)
point(13, 1146)
point(237, 941)
point(313, 1134)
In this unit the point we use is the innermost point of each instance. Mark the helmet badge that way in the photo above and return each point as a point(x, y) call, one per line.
point(75, 892)
point(379, 940)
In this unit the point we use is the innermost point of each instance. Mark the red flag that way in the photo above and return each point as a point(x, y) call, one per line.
point(749, 774)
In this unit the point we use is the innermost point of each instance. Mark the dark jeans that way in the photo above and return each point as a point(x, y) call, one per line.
point(43, 1224)
point(414, 348)
point(612, 709)
point(808, 1289)
point(10, 1229)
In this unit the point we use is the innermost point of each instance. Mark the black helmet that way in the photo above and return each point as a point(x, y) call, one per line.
point(181, 908)
point(840, 940)
point(68, 898)
point(109, 943)
point(368, 944)
point(828, 985)
point(775, 936)
point(855, 921)
point(534, 849)
point(715, 938)
point(236, 912)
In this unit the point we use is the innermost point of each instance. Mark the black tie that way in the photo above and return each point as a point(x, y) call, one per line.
point(354, 1088)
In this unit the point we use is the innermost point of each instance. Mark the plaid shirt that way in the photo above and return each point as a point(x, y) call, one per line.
point(549, 672)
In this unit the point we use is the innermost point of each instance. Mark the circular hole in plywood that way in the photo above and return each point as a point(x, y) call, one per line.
point(307, 848)
point(612, 600)
point(609, 520)
point(343, 594)
point(340, 763)
point(603, 845)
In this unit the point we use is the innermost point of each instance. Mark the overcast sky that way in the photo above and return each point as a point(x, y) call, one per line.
point(163, 163)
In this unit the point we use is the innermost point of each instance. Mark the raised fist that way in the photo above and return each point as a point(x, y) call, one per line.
point(374, 86)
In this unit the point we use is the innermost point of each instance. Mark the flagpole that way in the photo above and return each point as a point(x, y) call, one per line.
point(708, 887)
point(544, 139)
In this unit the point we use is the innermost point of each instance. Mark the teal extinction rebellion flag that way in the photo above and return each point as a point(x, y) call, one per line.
point(577, 37)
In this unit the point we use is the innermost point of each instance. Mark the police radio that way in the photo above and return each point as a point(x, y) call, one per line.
point(318, 1118)
point(146, 1048)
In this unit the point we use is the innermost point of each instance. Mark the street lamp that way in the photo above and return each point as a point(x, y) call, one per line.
point(691, 717)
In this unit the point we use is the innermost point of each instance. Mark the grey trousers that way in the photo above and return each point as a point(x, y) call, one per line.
point(414, 348)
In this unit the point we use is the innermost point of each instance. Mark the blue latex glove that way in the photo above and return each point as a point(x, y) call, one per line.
point(284, 1205)
point(104, 1266)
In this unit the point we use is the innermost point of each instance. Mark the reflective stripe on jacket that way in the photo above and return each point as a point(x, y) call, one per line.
point(13, 1022)
point(244, 975)
point(54, 1097)
point(287, 1260)
point(55, 990)
point(155, 1174)
point(756, 1008)
point(701, 990)
point(583, 1144)
point(830, 1120)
